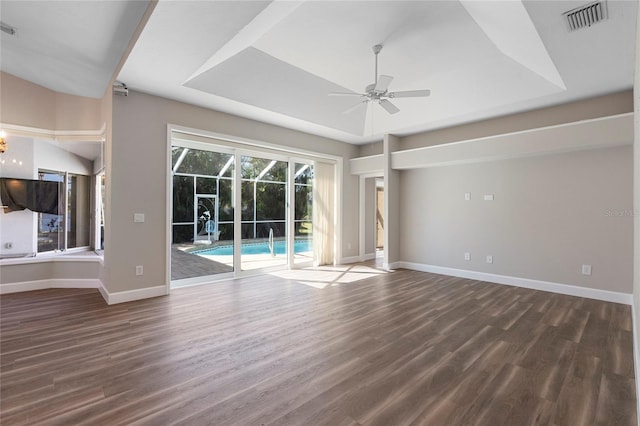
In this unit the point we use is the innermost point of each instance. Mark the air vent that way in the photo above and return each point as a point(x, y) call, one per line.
point(586, 16)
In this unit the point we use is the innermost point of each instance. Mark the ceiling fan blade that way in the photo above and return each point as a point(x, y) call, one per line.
point(409, 94)
point(345, 94)
point(391, 108)
point(383, 83)
point(355, 107)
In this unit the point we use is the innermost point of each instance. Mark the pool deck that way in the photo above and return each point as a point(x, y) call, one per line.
point(186, 265)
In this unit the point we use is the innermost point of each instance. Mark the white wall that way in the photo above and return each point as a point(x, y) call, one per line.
point(50, 157)
point(17, 227)
point(550, 215)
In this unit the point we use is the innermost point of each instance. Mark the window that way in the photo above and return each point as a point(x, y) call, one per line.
point(50, 226)
point(70, 228)
point(100, 197)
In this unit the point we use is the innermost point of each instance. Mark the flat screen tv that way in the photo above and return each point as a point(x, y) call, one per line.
point(36, 195)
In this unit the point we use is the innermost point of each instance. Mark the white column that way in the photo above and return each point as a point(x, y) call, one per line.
point(391, 204)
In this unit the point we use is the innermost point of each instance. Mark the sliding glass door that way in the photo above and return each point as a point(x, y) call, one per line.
point(264, 212)
point(303, 213)
point(273, 226)
point(202, 222)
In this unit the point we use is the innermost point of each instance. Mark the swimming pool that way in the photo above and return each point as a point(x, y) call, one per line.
point(279, 247)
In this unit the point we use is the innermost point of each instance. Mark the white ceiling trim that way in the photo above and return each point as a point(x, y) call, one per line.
point(97, 135)
point(509, 27)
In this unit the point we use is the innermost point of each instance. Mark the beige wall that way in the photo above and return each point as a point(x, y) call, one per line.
point(366, 150)
point(550, 215)
point(27, 104)
point(137, 173)
point(617, 103)
point(49, 269)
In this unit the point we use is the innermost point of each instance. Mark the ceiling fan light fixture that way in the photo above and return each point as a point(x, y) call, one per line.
point(379, 90)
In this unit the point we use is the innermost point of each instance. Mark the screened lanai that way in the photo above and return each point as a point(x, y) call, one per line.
point(203, 225)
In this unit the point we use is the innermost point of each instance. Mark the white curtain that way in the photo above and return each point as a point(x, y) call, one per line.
point(323, 214)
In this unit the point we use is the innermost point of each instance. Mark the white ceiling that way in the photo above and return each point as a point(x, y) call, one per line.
point(91, 150)
point(276, 61)
point(68, 46)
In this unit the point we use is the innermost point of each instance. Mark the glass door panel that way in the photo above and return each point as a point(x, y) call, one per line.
point(51, 226)
point(264, 212)
point(303, 213)
point(202, 219)
point(78, 205)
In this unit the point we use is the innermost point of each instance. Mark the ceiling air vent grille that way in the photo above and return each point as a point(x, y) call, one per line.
point(586, 16)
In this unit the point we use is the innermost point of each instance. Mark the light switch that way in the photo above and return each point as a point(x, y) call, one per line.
point(138, 217)
point(467, 196)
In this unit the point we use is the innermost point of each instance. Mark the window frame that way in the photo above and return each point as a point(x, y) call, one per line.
point(65, 214)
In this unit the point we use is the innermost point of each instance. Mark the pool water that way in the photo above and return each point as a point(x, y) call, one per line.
point(279, 247)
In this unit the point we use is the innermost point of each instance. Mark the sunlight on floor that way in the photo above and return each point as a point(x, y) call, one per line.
point(324, 276)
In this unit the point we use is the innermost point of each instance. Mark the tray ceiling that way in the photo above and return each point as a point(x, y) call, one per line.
point(276, 61)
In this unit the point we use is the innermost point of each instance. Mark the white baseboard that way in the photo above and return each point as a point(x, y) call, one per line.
point(394, 265)
point(131, 295)
point(568, 289)
point(110, 298)
point(51, 283)
point(354, 259)
point(350, 259)
point(104, 293)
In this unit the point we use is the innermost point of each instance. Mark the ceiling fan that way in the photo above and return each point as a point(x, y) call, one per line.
point(378, 91)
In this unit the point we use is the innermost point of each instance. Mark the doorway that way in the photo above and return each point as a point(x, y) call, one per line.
point(379, 215)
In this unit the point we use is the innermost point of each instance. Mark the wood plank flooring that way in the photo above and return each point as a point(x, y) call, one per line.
point(403, 348)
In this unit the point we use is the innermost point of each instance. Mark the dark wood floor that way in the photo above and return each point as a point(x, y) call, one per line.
point(394, 349)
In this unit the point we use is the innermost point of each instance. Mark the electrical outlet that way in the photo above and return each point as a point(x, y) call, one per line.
point(139, 270)
point(138, 217)
point(467, 256)
point(586, 269)
point(489, 259)
point(488, 197)
point(467, 196)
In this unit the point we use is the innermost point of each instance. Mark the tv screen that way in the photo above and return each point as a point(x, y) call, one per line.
point(36, 195)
